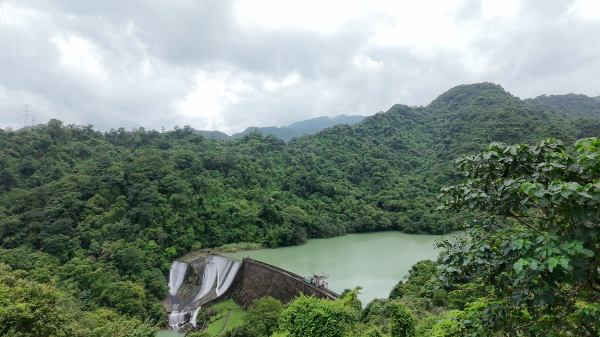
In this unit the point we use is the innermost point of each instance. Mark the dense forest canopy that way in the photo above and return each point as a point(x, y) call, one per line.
point(577, 105)
point(100, 216)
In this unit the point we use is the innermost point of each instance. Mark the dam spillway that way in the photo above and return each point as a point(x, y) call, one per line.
point(176, 276)
point(204, 280)
point(193, 284)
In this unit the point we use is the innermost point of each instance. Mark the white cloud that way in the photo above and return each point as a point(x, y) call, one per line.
point(491, 9)
point(212, 94)
point(363, 62)
point(589, 9)
point(231, 64)
point(286, 82)
point(314, 15)
point(79, 55)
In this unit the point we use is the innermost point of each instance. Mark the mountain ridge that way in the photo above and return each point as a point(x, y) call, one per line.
point(577, 105)
point(287, 132)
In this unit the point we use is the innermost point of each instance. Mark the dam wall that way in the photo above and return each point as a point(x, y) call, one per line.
point(258, 280)
point(202, 280)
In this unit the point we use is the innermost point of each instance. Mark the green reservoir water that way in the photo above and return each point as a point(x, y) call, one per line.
point(375, 261)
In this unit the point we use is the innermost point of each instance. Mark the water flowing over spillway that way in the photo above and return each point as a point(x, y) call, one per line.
point(217, 276)
point(227, 269)
point(208, 279)
point(176, 276)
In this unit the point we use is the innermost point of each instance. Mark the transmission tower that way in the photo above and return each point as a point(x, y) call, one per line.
point(26, 111)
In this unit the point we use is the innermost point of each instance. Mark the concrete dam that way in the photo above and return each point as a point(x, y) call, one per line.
point(206, 279)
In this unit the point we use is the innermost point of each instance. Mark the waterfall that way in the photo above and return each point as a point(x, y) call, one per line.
point(223, 267)
point(227, 269)
point(195, 316)
point(177, 318)
point(176, 276)
point(208, 279)
point(218, 270)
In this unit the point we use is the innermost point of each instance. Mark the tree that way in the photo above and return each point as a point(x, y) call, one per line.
point(536, 253)
point(309, 316)
point(402, 323)
point(127, 297)
point(264, 315)
point(398, 291)
point(31, 309)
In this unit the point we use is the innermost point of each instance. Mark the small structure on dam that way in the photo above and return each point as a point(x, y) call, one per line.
point(206, 279)
point(318, 279)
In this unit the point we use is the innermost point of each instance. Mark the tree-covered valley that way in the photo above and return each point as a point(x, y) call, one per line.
point(96, 218)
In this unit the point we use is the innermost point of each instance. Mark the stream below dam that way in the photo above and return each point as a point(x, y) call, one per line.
point(374, 261)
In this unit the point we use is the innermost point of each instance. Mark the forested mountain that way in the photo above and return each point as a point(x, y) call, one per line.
point(217, 135)
point(325, 122)
point(101, 215)
point(307, 127)
point(576, 105)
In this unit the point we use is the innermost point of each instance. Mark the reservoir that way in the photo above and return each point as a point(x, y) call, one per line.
point(374, 261)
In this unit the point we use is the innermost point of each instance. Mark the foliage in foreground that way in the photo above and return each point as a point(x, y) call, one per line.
point(28, 308)
point(541, 277)
point(309, 316)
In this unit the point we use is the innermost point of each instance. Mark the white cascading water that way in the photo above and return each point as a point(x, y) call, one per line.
point(227, 270)
point(220, 270)
point(223, 266)
point(210, 274)
point(177, 319)
point(195, 316)
point(176, 276)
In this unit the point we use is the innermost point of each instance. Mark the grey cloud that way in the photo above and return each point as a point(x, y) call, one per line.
point(469, 10)
point(543, 51)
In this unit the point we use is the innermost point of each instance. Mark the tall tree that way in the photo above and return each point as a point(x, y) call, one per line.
point(536, 253)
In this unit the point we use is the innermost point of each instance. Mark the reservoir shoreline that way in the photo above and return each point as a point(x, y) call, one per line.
point(375, 261)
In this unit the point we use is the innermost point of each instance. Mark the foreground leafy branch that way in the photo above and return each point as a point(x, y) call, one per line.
point(541, 274)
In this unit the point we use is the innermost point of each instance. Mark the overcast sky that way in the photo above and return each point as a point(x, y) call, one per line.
point(226, 65)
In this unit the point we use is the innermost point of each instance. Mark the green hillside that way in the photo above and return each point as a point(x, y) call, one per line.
point(101, 215)
point(216, 135)
point(325, 122)
point(576, 105)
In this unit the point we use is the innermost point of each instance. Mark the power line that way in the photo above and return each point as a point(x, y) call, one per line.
point(8, 91)
point(8, 77)
point(10, 52)
point(12, 12)
point(7, 50)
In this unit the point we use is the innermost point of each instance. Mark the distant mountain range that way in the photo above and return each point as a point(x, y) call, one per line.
point(306, 127)
point(577, 105)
